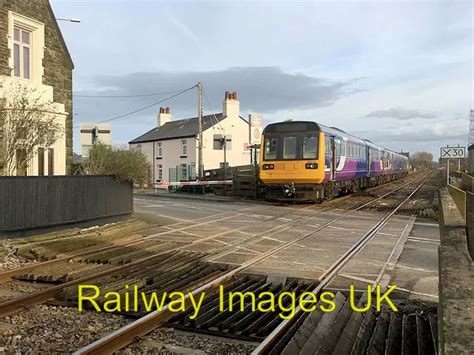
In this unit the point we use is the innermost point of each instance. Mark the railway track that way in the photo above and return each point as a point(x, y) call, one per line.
point(68, 270)
point(150, 321)
point(125, 249)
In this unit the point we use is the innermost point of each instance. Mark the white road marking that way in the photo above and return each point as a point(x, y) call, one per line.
point(417, 293)
point(426, 224)
point(424, 240)
point(415, 268)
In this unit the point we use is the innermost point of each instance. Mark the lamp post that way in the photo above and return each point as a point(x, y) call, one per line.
point(75, 20)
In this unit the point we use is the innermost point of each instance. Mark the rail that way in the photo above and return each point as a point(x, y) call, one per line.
point(331, 272)
point(124, 336)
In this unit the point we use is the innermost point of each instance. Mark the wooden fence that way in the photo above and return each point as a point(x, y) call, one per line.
point(28, 202)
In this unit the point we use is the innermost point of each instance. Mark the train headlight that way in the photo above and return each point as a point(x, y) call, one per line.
point(268, 166)
point(311, 165)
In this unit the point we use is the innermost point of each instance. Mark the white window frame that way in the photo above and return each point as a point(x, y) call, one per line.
point(36, 30)
point(184, 147)
point(23, 68)
point(184, 168)
point(159, 150)
point(160, 172)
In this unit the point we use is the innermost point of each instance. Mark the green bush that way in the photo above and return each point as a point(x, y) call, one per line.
point(127, 164)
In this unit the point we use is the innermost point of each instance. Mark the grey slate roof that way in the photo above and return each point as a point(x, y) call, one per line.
point(178, 129)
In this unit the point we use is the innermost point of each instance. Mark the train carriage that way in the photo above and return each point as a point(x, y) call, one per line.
point(303, 160)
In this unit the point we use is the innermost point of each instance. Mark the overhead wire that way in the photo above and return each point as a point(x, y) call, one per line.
point(146, 107)
point(125, 96)
point(217, 122)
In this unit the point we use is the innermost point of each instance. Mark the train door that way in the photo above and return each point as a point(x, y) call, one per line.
point(369, 160)
point(333, 158)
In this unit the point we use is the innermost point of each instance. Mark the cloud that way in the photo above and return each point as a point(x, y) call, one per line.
point(400, 114)
point(411, 138)
point(260, 89)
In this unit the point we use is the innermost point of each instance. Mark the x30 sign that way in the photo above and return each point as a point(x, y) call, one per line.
point(453, 152)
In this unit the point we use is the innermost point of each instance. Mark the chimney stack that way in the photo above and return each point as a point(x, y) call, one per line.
point(164, 116)
point(231, 104)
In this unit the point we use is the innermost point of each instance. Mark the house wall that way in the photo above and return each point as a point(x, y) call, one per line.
point(236, 155)
point(171, 155)
point(51, 67)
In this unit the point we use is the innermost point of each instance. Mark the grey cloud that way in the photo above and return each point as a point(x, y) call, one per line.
point(260, 89)
point(400, 114)
point(401, 137)
point(413, 141)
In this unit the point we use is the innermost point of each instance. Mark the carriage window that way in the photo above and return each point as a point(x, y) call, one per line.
point(338, 147)
point(270, 148)
point(343, 148)
point(309, 147)
point(289, 147)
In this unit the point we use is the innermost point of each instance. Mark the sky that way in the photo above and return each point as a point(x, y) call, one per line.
point(397, 73)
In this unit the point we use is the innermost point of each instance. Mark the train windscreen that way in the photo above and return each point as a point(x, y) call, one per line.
point(290, 147)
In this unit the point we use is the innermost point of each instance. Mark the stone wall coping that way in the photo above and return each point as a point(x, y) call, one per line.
point(450, 213)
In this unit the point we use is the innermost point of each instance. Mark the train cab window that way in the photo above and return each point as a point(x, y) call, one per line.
point(327, 143)
point(270, 152)
point(290, 147)
point(338, 147)
point(310, 147)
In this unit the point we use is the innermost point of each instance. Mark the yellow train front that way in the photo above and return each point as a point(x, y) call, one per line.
point(292, 161)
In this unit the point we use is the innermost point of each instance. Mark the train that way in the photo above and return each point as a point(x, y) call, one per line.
point(307, 161)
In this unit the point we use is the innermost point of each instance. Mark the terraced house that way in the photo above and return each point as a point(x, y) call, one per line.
point(34, 57)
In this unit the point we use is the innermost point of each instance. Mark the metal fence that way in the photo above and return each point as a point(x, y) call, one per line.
point(29, 202)
point(182, 173)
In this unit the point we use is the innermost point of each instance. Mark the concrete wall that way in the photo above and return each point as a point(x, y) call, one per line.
point(459, 197)
point(456, 283)
point(104, 136)
point(51, 66)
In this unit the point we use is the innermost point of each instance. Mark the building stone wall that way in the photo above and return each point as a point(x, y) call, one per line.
point(57, 64)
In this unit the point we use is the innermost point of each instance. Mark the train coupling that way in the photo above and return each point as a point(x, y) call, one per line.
point(289, 190)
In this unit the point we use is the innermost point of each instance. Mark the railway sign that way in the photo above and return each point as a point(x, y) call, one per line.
point(453, 152)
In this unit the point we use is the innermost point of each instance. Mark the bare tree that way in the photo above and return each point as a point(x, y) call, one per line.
point(28, 122)
point(421, 159)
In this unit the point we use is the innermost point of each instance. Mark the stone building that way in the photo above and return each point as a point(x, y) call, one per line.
point(33, 53)
point(172, 146)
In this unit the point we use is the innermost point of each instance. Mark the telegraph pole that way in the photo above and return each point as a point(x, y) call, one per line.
point(200, 167)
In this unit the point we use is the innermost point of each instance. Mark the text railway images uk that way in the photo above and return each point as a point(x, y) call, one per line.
point(302, 160)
